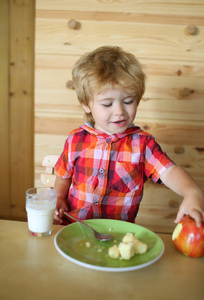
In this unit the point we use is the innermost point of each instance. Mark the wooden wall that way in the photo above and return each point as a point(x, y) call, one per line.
point(17, 27)
point(168, 38)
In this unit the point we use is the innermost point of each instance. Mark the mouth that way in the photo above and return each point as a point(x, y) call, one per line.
point(120, 123)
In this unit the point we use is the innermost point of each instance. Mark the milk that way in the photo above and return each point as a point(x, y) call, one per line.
point(40, 207)
point(40, 215)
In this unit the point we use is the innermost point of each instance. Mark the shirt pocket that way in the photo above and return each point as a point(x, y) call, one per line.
point(126, 178)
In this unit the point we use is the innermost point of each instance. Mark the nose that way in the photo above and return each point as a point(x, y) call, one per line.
point(119, 110)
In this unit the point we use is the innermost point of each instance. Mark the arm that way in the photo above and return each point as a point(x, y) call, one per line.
point(179, 181)
point(62, 186)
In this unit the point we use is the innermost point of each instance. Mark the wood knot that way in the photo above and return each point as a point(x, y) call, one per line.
point(73, 24)
point(145, 99)
point(146, 127)
point(200, 149)
point(191, 29)
point(179, 149)
point(179, 72)
point(186, 166)
point(174, 203)
point(185, 92)
point(70, 85)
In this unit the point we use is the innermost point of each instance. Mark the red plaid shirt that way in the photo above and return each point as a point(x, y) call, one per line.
point(109, 171)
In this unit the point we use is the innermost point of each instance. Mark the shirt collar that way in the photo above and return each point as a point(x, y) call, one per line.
point(130, 130)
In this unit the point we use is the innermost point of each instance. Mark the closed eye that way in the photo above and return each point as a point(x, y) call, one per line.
point(129, 101)
point(107, 105)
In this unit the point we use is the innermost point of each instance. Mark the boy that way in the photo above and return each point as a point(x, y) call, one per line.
point(105, 162)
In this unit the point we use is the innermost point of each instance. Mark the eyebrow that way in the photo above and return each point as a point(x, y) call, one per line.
point(105, 99)
point(110, 99)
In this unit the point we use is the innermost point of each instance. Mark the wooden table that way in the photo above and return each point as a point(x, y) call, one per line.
point(31, 268)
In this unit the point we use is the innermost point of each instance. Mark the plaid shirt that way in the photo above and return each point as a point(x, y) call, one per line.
point(109, 171)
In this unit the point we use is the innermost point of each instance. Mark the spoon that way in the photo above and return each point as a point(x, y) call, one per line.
point(98, 235)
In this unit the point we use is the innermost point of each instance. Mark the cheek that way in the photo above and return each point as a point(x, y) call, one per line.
point(132, 112)
point(99, 114)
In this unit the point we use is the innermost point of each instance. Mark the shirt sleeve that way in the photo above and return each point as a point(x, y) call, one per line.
point(63, 168)
point(156, 161)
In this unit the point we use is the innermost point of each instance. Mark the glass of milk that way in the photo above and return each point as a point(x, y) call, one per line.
point(40, 207)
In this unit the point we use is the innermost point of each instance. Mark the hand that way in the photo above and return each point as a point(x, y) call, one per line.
point(192, 205)
point(62, 187)
point(179, 181)
point(58, 214)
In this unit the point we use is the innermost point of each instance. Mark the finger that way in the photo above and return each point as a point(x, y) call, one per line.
point(57, 219)
point(179, 216)
point(59, 204)
point(62, 209)
point(57, 222)
point(197, 216)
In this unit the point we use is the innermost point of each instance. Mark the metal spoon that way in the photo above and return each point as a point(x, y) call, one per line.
point(98, 235)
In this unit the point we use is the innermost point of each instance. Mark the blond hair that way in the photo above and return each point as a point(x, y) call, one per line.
point(107, 65)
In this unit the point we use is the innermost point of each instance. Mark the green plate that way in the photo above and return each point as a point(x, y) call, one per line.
point(73, 240)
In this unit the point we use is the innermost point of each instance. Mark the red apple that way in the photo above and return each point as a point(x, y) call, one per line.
point(188, 238)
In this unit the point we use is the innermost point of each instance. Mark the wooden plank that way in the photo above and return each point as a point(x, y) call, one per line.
point(181, 7)
point(22, 20)
point(189, 157)
point(165, 41)
point(152, 18)
point(174, 131)
point(56, 125)
point(4, 109)
point(162, 99)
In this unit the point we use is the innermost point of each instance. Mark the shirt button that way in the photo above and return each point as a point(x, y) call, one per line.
point(96, 202)
point(101, 171)
point(108, 140)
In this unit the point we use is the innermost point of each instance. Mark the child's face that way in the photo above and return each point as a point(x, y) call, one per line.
point(113, 110)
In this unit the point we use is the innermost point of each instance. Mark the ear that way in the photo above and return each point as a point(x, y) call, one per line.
point(86, 108)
